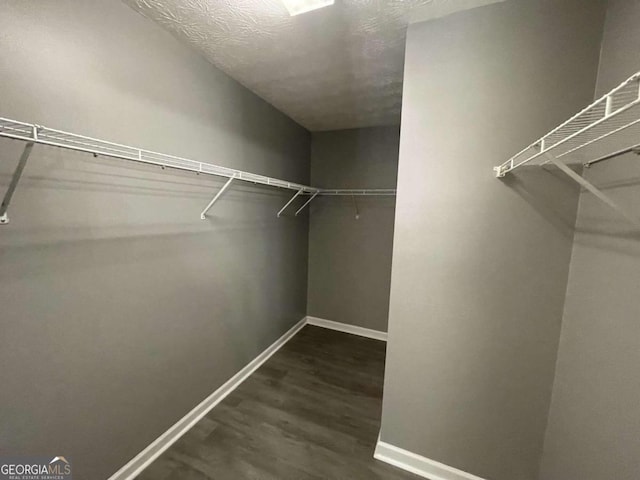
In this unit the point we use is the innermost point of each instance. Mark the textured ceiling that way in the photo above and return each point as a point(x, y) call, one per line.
point(333, 68)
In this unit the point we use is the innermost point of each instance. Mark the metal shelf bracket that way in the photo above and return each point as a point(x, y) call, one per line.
point(307, 203)
point(6, 201)
point(591, 188)
point(355, 205)
point(203, 215)
point(299, 192)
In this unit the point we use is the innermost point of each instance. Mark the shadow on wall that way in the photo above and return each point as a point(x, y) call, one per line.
point(68, 196)
point(534, 183)
point(174, 184)
point(599, 223)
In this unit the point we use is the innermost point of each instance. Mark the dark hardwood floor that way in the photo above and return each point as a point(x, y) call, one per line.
point(312, 411)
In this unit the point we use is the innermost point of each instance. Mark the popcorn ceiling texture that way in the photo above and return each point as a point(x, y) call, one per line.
point(334, 68)
point(337, 67)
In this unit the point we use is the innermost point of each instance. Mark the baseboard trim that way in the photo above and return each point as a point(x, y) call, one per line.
point(168, 438)
point(346, 328)
point(422, 466)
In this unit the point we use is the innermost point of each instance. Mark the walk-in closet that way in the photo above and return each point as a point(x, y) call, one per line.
point(319, 239)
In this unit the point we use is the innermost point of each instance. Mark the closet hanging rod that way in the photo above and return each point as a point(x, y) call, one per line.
point(635, 149)
point(33, 133)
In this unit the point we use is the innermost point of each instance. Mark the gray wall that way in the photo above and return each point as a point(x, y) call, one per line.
point(349, 259)
point(480, 265)
point(120, 310)
point(594, 424)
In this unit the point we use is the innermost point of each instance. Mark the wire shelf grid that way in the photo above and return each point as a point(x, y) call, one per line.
point(610, 124)
point(33, 133)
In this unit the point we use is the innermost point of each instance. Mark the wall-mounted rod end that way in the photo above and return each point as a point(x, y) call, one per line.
point(500, 173)
point(4, 219)
point(203, 216)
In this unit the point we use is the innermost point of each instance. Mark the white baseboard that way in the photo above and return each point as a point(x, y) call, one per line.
point(168, 438)
point(346, 328)
point(419, 465)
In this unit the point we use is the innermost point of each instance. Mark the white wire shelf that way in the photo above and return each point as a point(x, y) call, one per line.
point(358, 192)
point(606, 129)
point(58, 138)
point(38, 134)
point(609, 125)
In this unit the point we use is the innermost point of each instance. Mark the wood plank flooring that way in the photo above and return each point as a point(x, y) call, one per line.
point(312, 411)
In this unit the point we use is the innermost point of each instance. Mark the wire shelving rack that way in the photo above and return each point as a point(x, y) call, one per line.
point(606, 129)
point(37, 134)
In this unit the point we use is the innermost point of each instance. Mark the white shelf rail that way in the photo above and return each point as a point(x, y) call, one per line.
point(38, 134)
point(358, 192)
point(606, 129)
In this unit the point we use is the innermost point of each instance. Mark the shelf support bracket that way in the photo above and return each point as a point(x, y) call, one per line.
point(299, 192)
point(6, 201)
point(203, 215)
point(307, 203)
point(591, 188)
point(355, 205)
